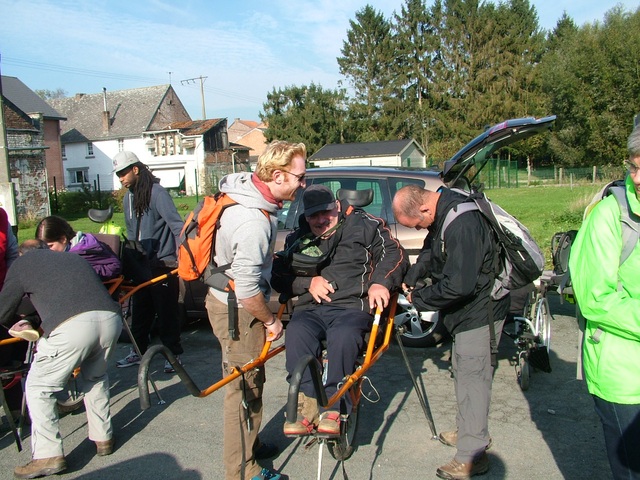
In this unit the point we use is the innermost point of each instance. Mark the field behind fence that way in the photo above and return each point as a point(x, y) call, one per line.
point(500, 173)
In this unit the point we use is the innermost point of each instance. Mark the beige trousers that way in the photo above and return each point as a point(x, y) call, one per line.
point(84, 341)
point(241, 425)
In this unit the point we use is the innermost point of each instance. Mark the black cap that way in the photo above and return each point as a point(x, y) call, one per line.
point(317, 198)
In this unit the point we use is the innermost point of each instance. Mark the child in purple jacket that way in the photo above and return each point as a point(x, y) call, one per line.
point(61, 237)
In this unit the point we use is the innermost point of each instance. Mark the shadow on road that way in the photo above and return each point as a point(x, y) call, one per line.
point(146, 467)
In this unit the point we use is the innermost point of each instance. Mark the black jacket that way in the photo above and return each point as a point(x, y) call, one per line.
point(362, 251)
point(461, 269)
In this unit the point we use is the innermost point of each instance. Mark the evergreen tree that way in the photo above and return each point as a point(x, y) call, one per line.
point(310, 115)
point(591, 77)
point(365, 62)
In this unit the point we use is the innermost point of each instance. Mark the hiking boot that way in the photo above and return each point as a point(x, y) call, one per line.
point(455, 470)
point(329, 423)
point(130, 360)
point(168, 368)
point(41, 467)
point(307, 417)
point(451, 439)
point(267, 474)
point(104, 447)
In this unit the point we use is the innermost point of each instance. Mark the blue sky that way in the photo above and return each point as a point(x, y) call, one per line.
point(244, 48)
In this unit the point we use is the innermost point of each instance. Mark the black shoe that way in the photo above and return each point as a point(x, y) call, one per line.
point(266, 450)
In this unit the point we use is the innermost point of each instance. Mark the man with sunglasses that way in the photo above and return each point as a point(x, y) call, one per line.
point(245, 240)
point(608, 293)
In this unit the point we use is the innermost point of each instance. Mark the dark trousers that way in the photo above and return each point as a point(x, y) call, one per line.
point(621, 426)
point(160, 302)
point(342, 328)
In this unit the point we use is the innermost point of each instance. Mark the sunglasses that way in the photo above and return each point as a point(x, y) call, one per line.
point(299, 176)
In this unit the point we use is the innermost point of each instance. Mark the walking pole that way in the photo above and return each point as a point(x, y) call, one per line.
point(423, 398)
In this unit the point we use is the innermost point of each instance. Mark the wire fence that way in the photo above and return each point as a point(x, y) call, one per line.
point(499, 173)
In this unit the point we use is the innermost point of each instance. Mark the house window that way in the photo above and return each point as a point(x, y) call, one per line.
point(120, 144)
point(63, 151)
point(89, 149)
point(80, 175)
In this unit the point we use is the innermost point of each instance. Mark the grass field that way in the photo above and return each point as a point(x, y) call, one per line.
point(545, 210)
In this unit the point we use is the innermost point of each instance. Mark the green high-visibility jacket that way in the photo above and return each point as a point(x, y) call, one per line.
point(608, 295)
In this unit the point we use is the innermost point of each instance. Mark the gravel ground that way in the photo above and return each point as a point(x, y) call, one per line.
point(550, 431)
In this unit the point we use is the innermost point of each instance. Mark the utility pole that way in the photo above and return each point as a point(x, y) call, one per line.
point(193, 80)
point(7, 197)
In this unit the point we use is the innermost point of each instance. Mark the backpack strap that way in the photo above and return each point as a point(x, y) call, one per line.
point(630, 223)
point(453, 213)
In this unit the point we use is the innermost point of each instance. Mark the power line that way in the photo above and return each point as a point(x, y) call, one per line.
point(77, 71)
point(116, 76)
point(192, 80)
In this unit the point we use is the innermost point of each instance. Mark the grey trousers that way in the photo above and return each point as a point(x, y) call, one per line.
point(473, 376)
point(84, 341)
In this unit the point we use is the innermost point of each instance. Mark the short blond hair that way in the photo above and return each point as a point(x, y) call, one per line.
point(278, 155)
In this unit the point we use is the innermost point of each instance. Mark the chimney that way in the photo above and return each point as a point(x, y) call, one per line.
point(106, 120)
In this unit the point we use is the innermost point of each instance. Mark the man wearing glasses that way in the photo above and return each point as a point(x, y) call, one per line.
point(608, 293)
point(245, 240)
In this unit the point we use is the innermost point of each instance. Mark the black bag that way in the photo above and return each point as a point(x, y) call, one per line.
point(307, 266)
point(560, 248)
point(136, 266)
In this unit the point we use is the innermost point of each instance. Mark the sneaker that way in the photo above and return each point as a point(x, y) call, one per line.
point(42, 467)
point(25, 331)
point(307, 417)
point(451, 439)
point(130, 360)
point(329, 423)
point(266, 474)
point(455, 470)
point(168, 368)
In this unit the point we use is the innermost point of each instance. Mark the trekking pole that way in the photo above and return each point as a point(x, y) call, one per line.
point(422, 398)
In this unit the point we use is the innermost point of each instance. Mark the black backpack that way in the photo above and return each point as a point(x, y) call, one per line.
point(560, 249)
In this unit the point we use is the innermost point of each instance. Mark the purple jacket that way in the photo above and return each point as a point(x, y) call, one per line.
point(103, 260)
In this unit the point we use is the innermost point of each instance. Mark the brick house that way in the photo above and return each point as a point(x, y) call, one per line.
point(27, 162)
point(250, 134)
point(32, 104)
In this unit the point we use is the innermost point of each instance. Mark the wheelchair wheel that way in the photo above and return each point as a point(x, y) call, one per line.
point(70, 399)
point(543, 323)
point(342, 448)
point(524, 373)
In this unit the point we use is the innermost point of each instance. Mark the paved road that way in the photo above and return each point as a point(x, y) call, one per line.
point(550, 431)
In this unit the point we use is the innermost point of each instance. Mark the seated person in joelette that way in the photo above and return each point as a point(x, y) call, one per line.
point(358, 265)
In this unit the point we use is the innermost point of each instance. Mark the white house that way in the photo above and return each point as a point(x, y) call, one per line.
point(392, 153)
point(151, 122)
